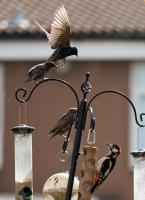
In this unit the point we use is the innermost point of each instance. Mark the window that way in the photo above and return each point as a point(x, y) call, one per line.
point(137, 95)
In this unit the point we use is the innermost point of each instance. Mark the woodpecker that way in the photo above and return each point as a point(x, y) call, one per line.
point(105, 165)
point(64, 123)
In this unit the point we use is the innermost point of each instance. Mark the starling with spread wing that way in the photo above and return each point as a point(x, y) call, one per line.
point(64, 123)
point(59, 37)
point(59, 40)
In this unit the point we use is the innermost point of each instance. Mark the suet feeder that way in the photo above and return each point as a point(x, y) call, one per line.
point(55, 187)
point(88, 168)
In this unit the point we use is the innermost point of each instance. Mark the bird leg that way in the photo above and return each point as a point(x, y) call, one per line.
point(63, 135)
point(64, 147)
point(36, 82)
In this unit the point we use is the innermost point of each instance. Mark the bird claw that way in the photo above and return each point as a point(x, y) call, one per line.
point(81, 153)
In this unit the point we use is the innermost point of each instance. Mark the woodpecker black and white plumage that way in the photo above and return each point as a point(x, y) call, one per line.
point(105, 165)
point(59, 37)
point(64, 123)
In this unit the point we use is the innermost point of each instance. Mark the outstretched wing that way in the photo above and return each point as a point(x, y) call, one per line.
point(43, 29)
point(60, 29)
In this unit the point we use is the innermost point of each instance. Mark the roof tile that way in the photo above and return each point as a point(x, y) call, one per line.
point(85, 16)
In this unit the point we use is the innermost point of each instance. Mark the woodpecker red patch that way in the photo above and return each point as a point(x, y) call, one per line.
point(96, 177)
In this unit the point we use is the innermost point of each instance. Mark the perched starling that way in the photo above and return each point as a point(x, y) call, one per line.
point(38, 71)
point(59, 37)
point(64, 123)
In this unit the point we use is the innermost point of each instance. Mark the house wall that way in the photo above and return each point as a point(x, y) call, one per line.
point(49, 101)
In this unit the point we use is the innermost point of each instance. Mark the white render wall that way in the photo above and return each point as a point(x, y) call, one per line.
point(87, 50)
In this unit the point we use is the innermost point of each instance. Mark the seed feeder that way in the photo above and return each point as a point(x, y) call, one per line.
point(139, 166)
point(23, 161)
point(55, 187)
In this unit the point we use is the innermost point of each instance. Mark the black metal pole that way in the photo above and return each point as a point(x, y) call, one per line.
point(81, 119)
point(77, 141)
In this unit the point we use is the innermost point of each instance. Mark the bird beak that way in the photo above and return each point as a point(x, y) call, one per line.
point(108, 144)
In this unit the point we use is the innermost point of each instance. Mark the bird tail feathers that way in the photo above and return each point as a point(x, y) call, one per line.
point(94, 187)
point(50, 137)
point(27, 79)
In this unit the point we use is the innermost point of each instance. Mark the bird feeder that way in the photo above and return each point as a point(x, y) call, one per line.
point(139, 174)
point(87, 168)
point(55, 187)
point(139, 166)
point(23, 161)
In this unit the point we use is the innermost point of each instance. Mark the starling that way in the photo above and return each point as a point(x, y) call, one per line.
point(64, 123)
point(59, 37)
point(38, 71)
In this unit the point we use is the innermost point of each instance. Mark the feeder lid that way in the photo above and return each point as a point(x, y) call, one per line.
point(138, 153)
point(23, 128)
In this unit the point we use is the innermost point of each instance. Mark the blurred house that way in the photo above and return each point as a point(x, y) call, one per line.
point(110, 37)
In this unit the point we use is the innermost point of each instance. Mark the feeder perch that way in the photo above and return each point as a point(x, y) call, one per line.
point(23, 161)
point(55, 187)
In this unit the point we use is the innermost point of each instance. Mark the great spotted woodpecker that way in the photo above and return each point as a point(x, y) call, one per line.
point(105, 165)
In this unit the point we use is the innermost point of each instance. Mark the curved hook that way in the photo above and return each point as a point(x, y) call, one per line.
point(123, 95)
point(24, 92)
point(141, 116)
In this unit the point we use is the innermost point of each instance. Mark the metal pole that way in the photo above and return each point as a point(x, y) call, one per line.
point(77, 141)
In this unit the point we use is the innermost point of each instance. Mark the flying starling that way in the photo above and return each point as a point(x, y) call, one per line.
point(59, 37)
point(64, 123)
